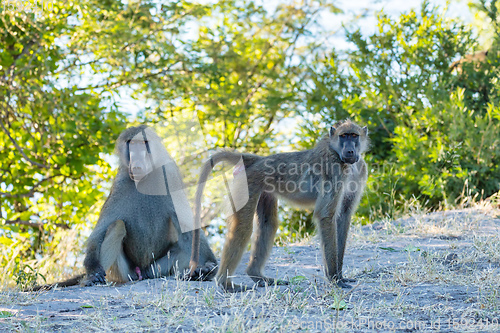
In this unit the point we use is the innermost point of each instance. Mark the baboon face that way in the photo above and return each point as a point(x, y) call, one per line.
point(349, 141)
point(141, 151)
point(140, 161)
point(134, 147)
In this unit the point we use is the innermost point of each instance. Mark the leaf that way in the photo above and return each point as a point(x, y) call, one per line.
point(297, 279)
point(6, 241)
point(411, 248)
point(339, 305)
point(6, 314)
point(390, 249)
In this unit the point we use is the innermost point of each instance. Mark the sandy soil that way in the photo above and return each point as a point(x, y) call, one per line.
point(435, 272)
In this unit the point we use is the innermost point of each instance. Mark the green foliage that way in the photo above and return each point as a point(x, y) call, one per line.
point(51, 133)
point(26, 277)
point(434, 130)
point(299, 224)
point(239, 70)
point(59, 71)
point(242, 74)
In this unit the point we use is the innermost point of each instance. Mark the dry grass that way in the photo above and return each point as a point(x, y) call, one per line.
point(429, 272)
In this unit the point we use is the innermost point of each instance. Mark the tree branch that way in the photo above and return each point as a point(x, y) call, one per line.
point(27, 194)
point(20, 149)
point(34, 224)
point(120, 83)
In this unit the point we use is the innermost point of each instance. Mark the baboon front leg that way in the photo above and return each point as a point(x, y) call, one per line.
point(326, 216)
point(208, 263)
point(267, 225)
point(343, 224)
point(328, 238)
point(239, 230)
point(350, 202)
point(111, 257)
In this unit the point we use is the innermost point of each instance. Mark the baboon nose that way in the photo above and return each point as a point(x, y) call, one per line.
point(349, 153)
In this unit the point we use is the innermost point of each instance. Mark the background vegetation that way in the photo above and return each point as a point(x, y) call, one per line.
point(248, 73)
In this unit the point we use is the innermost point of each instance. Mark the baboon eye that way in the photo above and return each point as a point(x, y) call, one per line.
point(343, 136)
point(354, 135)
point(139, 142)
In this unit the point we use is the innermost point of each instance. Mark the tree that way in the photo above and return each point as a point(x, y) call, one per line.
point(61, 68)
point(64, 68)
point(242, 74)
point(398, 81)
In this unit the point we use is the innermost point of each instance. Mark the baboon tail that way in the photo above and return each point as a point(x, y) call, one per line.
point(66, 283)
point(223, 156)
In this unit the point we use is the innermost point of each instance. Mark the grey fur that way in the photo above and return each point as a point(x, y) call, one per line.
point(153, 241)
point(139, 233)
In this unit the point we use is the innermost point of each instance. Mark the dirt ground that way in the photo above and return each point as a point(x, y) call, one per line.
point(436, 272)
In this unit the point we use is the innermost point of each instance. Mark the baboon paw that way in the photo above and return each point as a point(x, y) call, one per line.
point(207, 272)
point(203, 273)
point(263, 282)
point(94, 279)
point(343, 285)
point(346, 280)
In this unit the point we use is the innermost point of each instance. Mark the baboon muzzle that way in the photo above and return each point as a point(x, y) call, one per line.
point(349, 156)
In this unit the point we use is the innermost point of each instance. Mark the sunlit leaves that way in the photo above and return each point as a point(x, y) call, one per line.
point(240, 71)
point(48, 177)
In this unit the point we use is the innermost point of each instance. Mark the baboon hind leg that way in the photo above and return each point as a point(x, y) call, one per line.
point(267, 225)
point(175, 262)
point(208, 263)
point(239, 228)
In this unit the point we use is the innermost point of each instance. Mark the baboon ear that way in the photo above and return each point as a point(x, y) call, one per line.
point(332, 131)
point(365, 129)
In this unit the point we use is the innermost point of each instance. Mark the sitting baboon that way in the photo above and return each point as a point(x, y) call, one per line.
point(330, 177)
point(139, 233)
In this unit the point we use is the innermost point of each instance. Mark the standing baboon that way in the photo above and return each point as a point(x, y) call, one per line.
point(330, 177)
point(139, 231)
